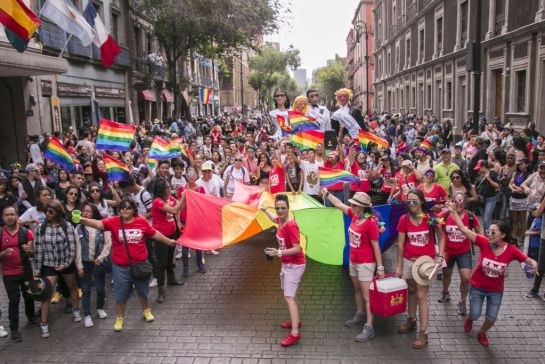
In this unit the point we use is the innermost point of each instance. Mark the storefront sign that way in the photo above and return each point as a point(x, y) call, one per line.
point(56, 114)
point(71, 90)
point(117, 93)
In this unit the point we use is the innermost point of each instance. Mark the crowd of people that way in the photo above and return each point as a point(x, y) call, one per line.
point(462, 189)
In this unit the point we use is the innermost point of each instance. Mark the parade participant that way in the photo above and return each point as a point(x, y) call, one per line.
point(458, 249)
point(460, 183)
point(277, 175)
point(15, 251)
point(54, 257)
point(433, 192)
point(293, 263)
point(360, 168)
point(36, 214)
point(6, 198)
point(129, 232)
point(311, 180)
point(444, 169)
point(265, 167)
point(177, 179)
point(518, 202)
point(346, 116)
point(71, 202)
point(294, 172)
point(387, 172)
point(416, 238)
point(163, 172)
point(406, 179)
point(317, 111)
point(31, 183)
point(300, 104)
point(62, 184)
point(104, 206)
point(487, 185)
point(236, 172)
point(488, 278)
point(251, 164)
point(281, 104)
point(365, 256)
point(212, 183)
point(94, 249)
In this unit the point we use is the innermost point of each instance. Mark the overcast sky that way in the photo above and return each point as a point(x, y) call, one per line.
point(318, 28)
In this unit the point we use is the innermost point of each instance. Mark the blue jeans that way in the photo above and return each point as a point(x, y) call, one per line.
point(123, 284)
point(476, 301)
point(99, 273)
point(487, 211)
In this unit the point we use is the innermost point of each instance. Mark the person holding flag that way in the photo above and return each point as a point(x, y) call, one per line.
point(346, 116)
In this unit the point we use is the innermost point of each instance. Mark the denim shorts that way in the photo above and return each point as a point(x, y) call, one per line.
point(463, 261)
point(476, 301)
point(123, 284)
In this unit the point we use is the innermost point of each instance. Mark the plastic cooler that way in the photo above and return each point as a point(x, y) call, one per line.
point(388, 296)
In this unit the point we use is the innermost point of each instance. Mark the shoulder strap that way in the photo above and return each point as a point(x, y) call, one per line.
point(124, 239)
point(142, 197)
point(447, 214)
point(471, 217)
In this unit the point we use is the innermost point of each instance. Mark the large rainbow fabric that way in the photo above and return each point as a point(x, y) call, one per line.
point(300, 122)
point(116, 170)
point(19, 21)
point(165, 149)
point(308, 139)
point(286, 129)
point(335, 178)
point(55, 152)
point(204, 95)
point(365, 138)
point(114, 136)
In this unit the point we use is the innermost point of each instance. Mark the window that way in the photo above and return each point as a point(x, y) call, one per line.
point(394, 14)
point(389, 62)
point(413, 98)
point(138, 41)
point(408, 52)
point(439, 36)
point(464, 22)
point(398, 57)
point(499, 16)
point(421, 45)
point(115, 26)
point(428, 99)
point(520, 79)
point(449, 95)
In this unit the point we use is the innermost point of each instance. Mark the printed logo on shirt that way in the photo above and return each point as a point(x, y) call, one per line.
point(455, 235)
point(420, 238)
point(492, 268)
point(274, 180)
point(312, 179)
point(362, 174)
point(355, 238)
point(281, 243)
point(134, 236)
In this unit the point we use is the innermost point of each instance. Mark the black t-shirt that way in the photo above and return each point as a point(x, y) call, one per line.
point(484, 188)
point(7, 200)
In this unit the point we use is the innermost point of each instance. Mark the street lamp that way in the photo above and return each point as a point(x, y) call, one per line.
point(360, 27)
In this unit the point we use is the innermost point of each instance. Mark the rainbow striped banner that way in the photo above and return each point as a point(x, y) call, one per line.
point(204, 95)
point(335, 178)
point(114, 136)
point(300, 122)
point(165, 149)
point(116, 170)
point(55, 152)
point(365, 138)
point(308, 139)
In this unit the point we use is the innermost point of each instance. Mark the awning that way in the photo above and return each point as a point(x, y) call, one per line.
point(145, 95)
point(167, 95)
point(185, 96)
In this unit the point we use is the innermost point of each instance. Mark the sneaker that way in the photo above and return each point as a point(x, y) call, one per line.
point(88, 321)
point(152, 283)
point(483, 339)
point(355, 321)
point(530, 294)
point(290, 340)
point(3, 332)
point(102, 314)
point(287, 325)
point(77, 315)
point(444, 297)
point(367, 334)
point(189, 254)
point(45, 330)
point(148, 315)
point(118, 325)
point(178, 255)
point(214, 252)
point(462, 309)
point(202, 269)
point(16, 336)
point(468, 325)
point(57, 297)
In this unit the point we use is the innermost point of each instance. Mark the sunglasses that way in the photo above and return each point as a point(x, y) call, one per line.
point(94, 190)
point(51, 212)
point(281, 208)
point(459, 202)
point(455, 177)
point(125, 208)
point(412, 202)
point(313, 95)
point(280, 95)
point(491, 232)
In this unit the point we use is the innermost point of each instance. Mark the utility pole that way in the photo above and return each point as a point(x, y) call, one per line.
point(477, 68)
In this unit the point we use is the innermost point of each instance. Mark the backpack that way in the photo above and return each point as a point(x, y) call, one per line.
point(62, 224)
point(22, 236)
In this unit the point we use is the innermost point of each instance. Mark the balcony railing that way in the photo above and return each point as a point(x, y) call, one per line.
point(141, 65)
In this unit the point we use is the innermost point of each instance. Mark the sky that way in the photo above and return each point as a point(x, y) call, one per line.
point(318, 28)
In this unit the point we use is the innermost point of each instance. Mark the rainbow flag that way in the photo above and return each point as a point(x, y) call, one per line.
point(114, 136)
point(204, 95)
point(335, 178)
point(300, 122)
point(286, 129)
point(19, 21)
point(165, 149)
point(308, 139)
point(365, 138)
point(116, 170)
point(55, 152)
point(152, 162)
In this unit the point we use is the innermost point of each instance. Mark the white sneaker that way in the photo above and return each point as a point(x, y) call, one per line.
point(153, 283)
point(188, 254)
point(214, 252)
point(88, 321)
point(45, 330)
point(3, 332)
point(102, 314)
point(178, 255)
point(77, 315)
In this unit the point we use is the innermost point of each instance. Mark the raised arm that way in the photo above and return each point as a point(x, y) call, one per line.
point(334, 200)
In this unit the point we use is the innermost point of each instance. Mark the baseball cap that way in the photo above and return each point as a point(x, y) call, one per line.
point(407, 163)
point(445, 151)
point(31, 167)
point(207, 166)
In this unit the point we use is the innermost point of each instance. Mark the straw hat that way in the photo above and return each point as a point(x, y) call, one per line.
point(423, 268)
point(361, 199)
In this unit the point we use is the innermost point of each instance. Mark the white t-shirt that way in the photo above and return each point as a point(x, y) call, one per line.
point(36, 153)
point(274, 116)
point(311, 184)
point(176, 183)
point(33, 214)
point(232, 174)
point(143, 201)
point(212, 186)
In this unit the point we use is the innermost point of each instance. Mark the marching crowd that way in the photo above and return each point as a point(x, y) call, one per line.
point(69, 230)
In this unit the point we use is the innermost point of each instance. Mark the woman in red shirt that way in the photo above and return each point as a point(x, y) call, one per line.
point(416, 238)
point(365, 255)
point(277, 175)
point(293, 263)
point(488, 278)
point(433, 192)
point(133, 229)
point(360, 168)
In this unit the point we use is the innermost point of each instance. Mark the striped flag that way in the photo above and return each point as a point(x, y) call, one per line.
point(165, 149)
point(365, 138)
point(103, 40)
point(308, 139)
point(56, 153)
point(335, 178)
point(19, 21)
point(114, 136)
point(116, 170)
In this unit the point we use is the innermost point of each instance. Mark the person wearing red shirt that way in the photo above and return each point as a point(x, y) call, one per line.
point(406, 179)
point(433, 192)
point(360, 169)
point(215, 134)
point(364, 256)
point(293, 263)
point(458, 249)
point(488, 278)
point(277, 175)
point(129, 231)
point(386, 170)
point(415, 238)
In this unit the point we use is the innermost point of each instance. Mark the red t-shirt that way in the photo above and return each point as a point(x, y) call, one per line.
point(363, 175)
point(12, 264)
point(136, 232)
point(160, 220)
point(437, 194)
point(277, 180)
point(183, 213)
point(419, 240)
point(339, 165)
point(216, 136)
point(388, 179)
point(456, 242)
point(489, 272)
point(406, 183)
point(287, 236)
point(361, 249)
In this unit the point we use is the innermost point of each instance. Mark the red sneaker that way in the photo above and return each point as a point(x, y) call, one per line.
point(287, 325)
point(290, 339)
point(468, 325)
point(483, 339)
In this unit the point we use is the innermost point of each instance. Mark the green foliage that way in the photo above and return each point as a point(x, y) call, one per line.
point(329, 79)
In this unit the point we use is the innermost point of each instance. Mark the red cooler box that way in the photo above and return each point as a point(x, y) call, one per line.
point(388, 296)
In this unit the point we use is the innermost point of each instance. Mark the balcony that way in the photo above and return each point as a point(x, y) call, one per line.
point(51, 36)
point(141, 65)
point(76, 48)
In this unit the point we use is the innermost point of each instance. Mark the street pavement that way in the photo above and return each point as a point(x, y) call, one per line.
point(232, 315)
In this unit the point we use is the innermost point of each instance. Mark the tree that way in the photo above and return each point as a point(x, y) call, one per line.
point(329, 79)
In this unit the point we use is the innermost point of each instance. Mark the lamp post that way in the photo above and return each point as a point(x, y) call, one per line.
point(360, 27)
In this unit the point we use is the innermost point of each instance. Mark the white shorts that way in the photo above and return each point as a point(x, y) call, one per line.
point(290, 277)
point(364, 271)
point(408, 268)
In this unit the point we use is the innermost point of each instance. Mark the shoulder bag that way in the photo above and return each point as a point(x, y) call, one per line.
point(139, 271)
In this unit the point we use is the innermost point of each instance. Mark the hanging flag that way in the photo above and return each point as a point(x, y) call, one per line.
point(98, 113)
point(116, 170)
point(164, 149)
point(204, 95)
point(103, 40)
point(300, 122)
point(308, 139)
point(335, 178)
point(65, 15)
point(114, 136)
point(56, 153)
point(19, 21)
point(365, 138)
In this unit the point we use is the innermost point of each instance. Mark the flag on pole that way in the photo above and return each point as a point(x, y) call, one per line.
point(164, 149)
point(56, 153)
point(19, 22)
point(103, 40)
point(308, 139)
point(116, 170)
point(335, 178)
point(365, 138)
point(114, 136)
point(65, 15)
point(204, 95)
